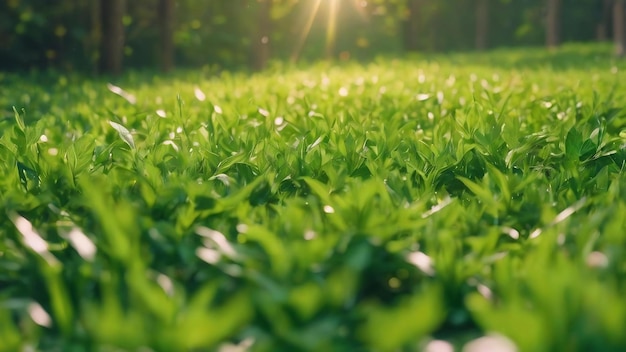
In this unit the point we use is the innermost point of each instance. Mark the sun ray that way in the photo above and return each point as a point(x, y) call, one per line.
point(331, 26)
point(305, 31)
point(331, 29)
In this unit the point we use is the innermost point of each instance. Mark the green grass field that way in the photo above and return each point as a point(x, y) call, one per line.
point(331, 208)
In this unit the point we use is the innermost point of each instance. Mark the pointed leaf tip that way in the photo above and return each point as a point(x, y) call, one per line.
point(124, 133)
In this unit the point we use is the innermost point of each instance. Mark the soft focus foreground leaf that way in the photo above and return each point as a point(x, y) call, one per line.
point(389, 328)
point(9, 333)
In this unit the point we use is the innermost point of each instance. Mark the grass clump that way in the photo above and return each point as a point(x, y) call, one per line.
point(332, 208)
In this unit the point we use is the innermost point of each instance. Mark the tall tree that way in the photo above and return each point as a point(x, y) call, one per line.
point(553, 23)
point(482, 24)
point(261, 46)
point(166, 33)
point(619, 30)
point(112, 48)
point(411, 26)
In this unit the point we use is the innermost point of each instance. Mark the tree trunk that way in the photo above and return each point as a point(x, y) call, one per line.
point(553, 23)
point(261, 46)
point(166, 33)
point(482, 24)
point(411, 26)
point(619, 30)
point(112, 52)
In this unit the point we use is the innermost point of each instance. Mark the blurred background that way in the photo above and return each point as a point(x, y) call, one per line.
point(109, 36)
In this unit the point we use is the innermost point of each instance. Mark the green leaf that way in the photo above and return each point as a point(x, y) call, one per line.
point(587, 149)
point(390, 328)
point(19, 120)
point(492, 205)
point(278, 256)
point(80, 154)
point(10, 334)
point(27, 174)
point(573, 143)
point(124, 133)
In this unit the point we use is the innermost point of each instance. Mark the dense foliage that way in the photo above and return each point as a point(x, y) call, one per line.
point(59, 34)
point(333, 208)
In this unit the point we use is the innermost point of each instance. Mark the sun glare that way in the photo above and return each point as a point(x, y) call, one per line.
point(331, 29)
point(331, 26)
point(306, 30)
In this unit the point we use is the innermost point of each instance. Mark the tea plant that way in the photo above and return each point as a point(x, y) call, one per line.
point(349, 207)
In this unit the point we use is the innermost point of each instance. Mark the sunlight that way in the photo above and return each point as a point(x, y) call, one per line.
point(360, 6)
point(331, 26)
point(331, 29)
point(306, 30)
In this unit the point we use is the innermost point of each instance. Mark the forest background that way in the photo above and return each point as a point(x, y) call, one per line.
point(100, 36)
